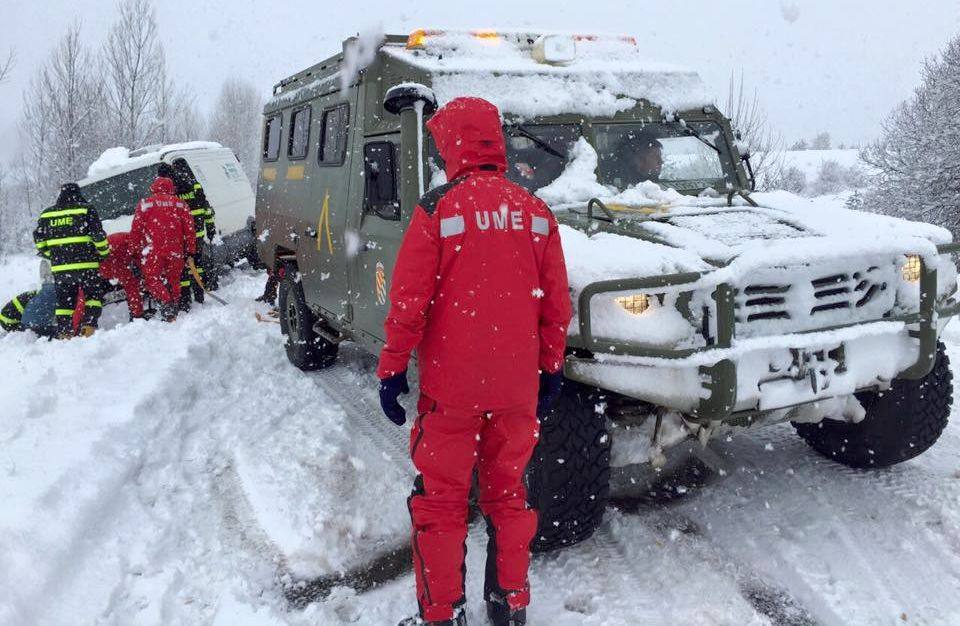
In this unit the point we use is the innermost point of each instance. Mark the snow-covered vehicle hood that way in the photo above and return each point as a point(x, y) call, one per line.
point(795, 264)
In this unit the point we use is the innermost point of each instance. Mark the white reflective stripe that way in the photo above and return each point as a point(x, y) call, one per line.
point(540, 225)
point(450, 226)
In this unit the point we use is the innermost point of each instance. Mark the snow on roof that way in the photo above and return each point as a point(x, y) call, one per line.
point(119, 160)
point(607, 76)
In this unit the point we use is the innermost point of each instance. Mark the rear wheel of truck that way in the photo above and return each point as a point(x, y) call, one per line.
point(569, 477)
point(901, 423)
point(305, 348)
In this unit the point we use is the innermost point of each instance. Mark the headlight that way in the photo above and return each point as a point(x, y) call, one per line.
point(911, 269)
point(635, 303)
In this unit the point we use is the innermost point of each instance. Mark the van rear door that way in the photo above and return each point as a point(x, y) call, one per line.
point(225, 184)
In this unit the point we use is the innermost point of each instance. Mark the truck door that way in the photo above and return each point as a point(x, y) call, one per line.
point(326, 244)
point(380, 230)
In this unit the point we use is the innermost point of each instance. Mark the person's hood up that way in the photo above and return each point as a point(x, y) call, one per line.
point(70, 196)
point(163, 185)
point(468, 135)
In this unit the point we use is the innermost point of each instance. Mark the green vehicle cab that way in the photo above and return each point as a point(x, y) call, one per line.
point(700, 306)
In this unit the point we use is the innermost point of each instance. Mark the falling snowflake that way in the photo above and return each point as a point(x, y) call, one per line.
point(538, 293)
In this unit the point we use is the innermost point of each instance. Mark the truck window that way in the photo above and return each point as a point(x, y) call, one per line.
point(271, 138)
point(118, 195)
point(380, 180)
point(333, 135)
point(299, 141)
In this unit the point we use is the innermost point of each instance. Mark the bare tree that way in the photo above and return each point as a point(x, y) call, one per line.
point(235, 122)
point(763, 143)
point(6, 66)
point(180, 118)
point(61, 129)
point(136, 81)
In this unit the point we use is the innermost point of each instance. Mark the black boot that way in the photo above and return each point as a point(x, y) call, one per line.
point(168, 312)
point(501, 614)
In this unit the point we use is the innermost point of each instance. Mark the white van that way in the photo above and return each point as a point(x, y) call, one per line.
point(119, 179)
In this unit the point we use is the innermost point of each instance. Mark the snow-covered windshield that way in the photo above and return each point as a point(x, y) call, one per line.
point(682, 156)
point(538, 154)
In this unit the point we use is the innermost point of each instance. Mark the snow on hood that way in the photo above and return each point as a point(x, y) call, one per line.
point(604, 79)
point(697, 234)
point(118, 160)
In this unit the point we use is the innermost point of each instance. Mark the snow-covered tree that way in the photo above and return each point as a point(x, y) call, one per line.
point(750, 120)
point(235, 122)
point(918, 155)
point(135, 75)
point(822, 141)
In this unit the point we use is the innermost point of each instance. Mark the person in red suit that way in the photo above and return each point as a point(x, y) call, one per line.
point(480, 291)
point(162, 233)
point(121, 266)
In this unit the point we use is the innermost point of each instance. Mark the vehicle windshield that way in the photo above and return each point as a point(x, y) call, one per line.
point(678, 155)
point(685, 156)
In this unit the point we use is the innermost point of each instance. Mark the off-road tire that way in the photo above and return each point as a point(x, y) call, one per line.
point(569, 475)
point(305, 348)
point(901, 423)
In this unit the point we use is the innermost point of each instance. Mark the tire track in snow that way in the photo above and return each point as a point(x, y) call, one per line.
point(828, 532)
point(356, 392)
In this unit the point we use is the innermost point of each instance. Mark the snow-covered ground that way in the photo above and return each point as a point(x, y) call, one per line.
point(186, 473)
point(811, 161)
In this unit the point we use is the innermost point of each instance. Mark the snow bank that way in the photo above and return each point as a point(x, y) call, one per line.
point(118, 160)
point(156, 469)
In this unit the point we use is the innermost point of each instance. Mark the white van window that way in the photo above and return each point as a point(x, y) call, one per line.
point(118, 195)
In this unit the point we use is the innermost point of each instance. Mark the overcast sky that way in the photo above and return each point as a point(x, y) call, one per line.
point(818, 65)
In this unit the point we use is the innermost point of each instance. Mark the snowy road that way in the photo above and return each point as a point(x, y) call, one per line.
point(182, 474)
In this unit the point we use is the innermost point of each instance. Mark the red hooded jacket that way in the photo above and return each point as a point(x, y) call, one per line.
point(162, 223)
point(480, 286)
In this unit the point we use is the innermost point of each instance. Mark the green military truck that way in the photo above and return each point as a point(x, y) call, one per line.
point(700, 306)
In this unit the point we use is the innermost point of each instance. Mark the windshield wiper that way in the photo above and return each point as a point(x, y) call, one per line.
point(537, 140)
point(689, 130)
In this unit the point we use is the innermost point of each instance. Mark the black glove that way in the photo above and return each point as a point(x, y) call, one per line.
point(390, 390)
point(550, 385)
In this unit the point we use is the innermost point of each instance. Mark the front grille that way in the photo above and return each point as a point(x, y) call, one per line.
point(847, 291)
point(814, 299)
point(765, 302)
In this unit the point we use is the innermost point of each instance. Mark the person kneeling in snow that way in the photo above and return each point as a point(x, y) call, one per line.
point(480, 291)
point(163, 232)
point(123, 266)
point(12, 312)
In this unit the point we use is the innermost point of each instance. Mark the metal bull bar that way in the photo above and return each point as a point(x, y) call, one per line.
point(720, 379)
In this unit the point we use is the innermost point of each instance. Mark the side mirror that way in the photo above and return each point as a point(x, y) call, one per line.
point(405, 95)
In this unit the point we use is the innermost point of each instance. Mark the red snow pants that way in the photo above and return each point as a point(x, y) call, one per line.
point(130, 283)
point(446, 445)
point(161, 274)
